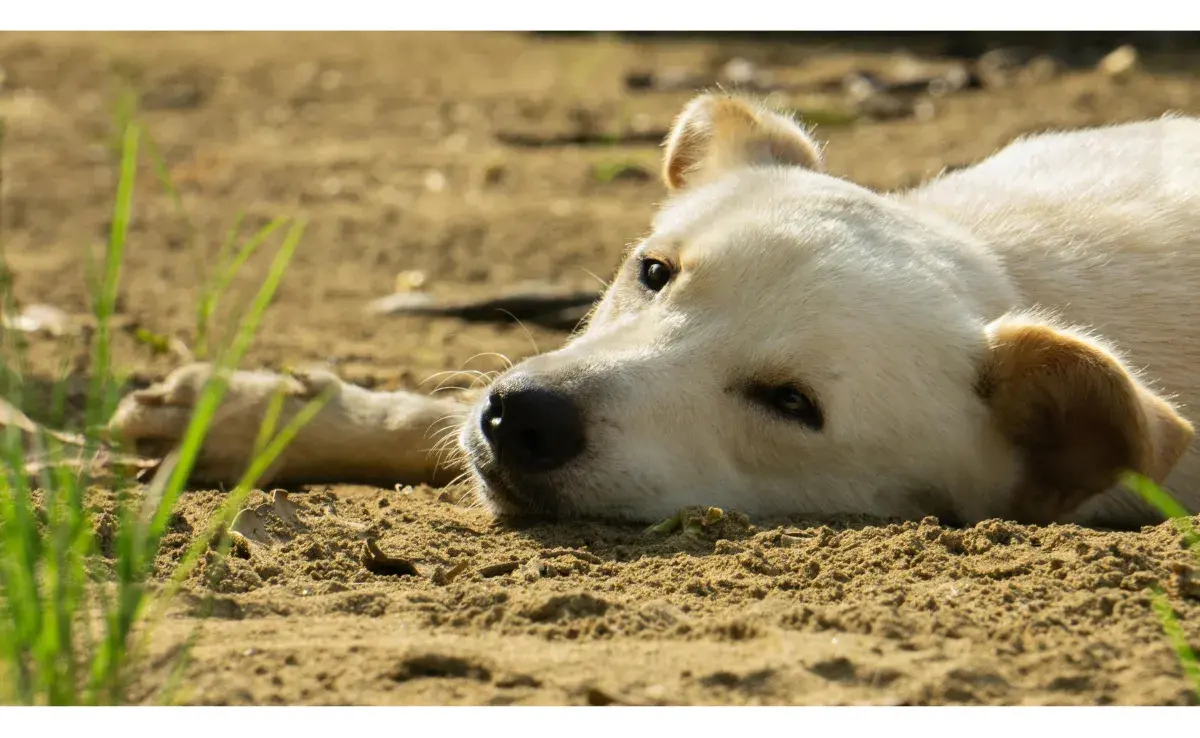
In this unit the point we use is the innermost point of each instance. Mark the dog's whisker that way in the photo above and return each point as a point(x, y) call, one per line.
point(445, 438)
point(451, 372)
point(444, 435)
point(444, 384)
point(592, 274)
point(508, 363)
point(458, 479)
point(483, 380)
point(452, 388)
point(524, 328)
point(437, 427)
point(457, 415)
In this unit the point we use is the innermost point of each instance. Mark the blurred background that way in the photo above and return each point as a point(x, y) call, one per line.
point(456, 164)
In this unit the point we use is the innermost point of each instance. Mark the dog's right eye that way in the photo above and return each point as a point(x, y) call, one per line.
point(790, 402)
point(654, 274)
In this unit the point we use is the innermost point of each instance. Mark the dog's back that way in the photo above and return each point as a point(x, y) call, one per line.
point(1102, 227)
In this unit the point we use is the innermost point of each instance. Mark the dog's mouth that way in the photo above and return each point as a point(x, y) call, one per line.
point(526, 497)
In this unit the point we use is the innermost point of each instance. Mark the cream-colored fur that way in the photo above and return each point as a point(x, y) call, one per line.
point(1001, 342)
point(356, 436)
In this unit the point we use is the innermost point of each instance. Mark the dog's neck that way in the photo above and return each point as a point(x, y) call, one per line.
point(1091, 253)
point(1022, 254)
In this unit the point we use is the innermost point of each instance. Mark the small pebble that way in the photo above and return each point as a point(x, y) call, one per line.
point(1120, 64)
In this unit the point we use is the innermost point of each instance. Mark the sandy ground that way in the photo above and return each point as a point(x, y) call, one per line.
point(394, 149)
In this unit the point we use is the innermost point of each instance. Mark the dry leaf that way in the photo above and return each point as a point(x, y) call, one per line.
point(103, 461)
point(252, 525)
point(11, 416)
point(100, 465)
point(285, 508)
point(39, 318)
point(377, 562)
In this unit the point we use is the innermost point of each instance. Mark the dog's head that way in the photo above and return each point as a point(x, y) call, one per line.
point(789, 342)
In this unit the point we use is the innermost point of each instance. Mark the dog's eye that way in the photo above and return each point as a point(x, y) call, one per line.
point(792, 403)
point(654, 274)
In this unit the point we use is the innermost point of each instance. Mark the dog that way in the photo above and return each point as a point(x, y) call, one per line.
point(1005, 341)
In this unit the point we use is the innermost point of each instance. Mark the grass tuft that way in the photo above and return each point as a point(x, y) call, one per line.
point(70, 630)
point(1185, 523)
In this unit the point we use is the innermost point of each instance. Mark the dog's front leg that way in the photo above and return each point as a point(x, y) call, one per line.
point(357, 436)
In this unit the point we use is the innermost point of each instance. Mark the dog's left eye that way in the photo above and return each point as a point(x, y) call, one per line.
point(792, 403)
point(654, 274)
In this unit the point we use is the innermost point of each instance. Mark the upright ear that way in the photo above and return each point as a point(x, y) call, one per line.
point(1076, 414)
point(718, 132)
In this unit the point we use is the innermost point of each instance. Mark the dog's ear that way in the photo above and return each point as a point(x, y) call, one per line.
point(718, 132)
point(1076, 415)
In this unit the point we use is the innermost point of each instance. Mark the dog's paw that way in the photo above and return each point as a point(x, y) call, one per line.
point(313, 382)
point(154, 420)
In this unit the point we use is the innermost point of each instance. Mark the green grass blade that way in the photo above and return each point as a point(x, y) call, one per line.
point(19, 567)
point(140, 539)
point(1170, 509)
point(263, 459)
point(1177, 638)
point(159, 164)
point(214, 389)
point(226, 272)
point(232, 504)
point(51, 583)
point(1183, 521)
point(207, 303)
point(101, 397)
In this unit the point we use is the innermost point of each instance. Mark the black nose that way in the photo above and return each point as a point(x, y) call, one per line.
point(531, 429)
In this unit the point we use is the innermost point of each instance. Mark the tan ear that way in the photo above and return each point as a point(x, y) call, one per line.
point(716, 133)
point(1076, 414)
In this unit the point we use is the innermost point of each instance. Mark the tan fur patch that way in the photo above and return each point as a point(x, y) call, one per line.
point(1076, 414)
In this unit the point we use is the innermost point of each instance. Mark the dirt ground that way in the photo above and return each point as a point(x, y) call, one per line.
point(411, 152)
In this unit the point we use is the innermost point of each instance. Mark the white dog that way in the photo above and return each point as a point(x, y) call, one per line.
point(1004, 341)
